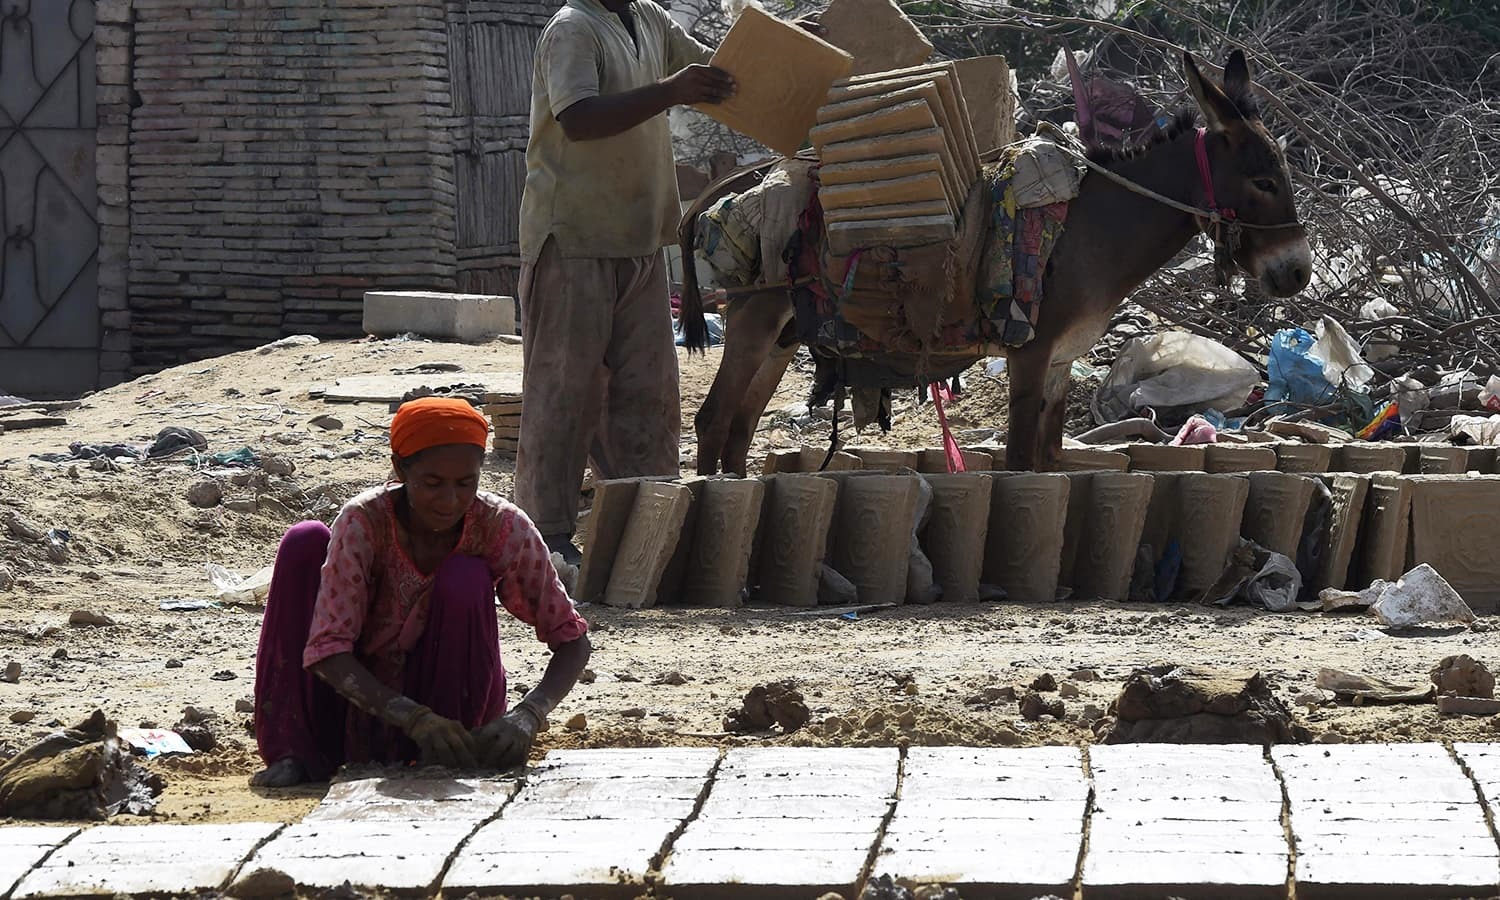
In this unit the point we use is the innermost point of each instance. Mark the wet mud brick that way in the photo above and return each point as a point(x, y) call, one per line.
point(882, 147)
point(775, 104)
point(399, 857)
point(596, 858)
point(1364, 459)
point(935, 462)
point(793, 537)
point(844, 238)
point(607, 523)
point(911, 189)
point(22, 847)
point(1378, 821)
point(407, 799)
point(937, 84)
point(900, 118)
point(1027, 527)
point(650, 538)
point(1457, 460)
point(728, 512)
point(1349, 493)
point(1106, 516)
point(1276, 509)
point(1085, 459)
point(1165, 458)
point(1455, 528)
point(985, 83)
point(871, 534)
point(884, 460)
point(876, 33)
point(669, 590)
point(1304, 458)
point(1222, 458)
point(889, 211)
point(954, 538)
point(1383, 537)
point(149, 859)
point(1203, 513)
point(867, 170)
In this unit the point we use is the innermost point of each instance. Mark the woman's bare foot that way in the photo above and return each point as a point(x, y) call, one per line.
point(280, 774)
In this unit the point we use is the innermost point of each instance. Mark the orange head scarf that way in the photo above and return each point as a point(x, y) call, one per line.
point(434, 421)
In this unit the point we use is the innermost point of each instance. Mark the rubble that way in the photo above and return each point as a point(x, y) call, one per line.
point(1174, 704)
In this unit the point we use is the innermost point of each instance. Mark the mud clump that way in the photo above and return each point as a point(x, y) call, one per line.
point(80, 773)
point(767, 705)
point(1463, 676)
point(1034, 706)
point(1173, 704)
point(1044, 683)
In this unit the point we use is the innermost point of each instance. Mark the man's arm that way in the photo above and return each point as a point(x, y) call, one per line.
point(595, 118)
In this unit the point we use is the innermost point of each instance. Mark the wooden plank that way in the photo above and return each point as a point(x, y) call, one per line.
point(775, 104)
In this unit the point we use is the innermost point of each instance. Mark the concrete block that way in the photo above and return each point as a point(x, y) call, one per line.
point(1381, 551)
point(450, 317)
point(1349, 493)
point(413, 799)
point(1023, 551)
point(954, 538)
point(1166, 458)
point(1304, 458)
point(797, 513)
point(1225, 458)
point(651, 536)
point(147, 859)
point(1276, 509)
point(1364, 458)
point(1455, 528)
point(1106, 517)
point(718, 564)
point(871, 537)
point(883, 460)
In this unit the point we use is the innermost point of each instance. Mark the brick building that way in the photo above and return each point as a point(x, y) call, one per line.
point(187, 178)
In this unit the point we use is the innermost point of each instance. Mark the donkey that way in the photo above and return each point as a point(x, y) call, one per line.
point(1232, 176)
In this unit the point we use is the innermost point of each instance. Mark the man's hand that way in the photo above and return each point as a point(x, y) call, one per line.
point(507, 741)
point(442, 741)
point(700, 84)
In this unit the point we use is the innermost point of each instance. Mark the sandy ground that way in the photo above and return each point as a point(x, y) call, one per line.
point(906, 676)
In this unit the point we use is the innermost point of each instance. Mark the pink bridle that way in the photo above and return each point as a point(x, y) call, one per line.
point(1200, 149)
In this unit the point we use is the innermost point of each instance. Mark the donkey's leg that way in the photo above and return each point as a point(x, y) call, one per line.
point(750, 332)
point(1028, 367)
point(1054, 416)
point(747, 419)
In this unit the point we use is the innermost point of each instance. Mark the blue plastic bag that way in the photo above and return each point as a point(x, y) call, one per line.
point(1293, 373)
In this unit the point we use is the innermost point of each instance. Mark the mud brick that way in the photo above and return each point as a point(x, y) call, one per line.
point(607, 524)
point(660, 762)
point(736, 874)
point(1007, 868)
point(812, 459)
point(782, 461)
point(890, 461)
point(1445, 460)
point(1106, 517)
point(1027, 521)
point(1349, 493)
point(606, 857)
point(954, 538)
point(876, 33)
point(1364, 459)
point(1223, 458)
point(1190, 876)
point(395, 856)
point(1165, 458)
point(1378, 876)
point(935, 462)
point(651, 536)
point(586, 790)
point(1085, 459)
point(22, 847)
point(1304, 458)
point(797, 513)
point(669, 589)
point(1381, 551)
point(1276, 509)
point(1455, 527)
point(412, 799)
point(148, 859)
point(871, 534)
point(719, 562)
point(1202, 513)
point(841, 808)
point(787, 834)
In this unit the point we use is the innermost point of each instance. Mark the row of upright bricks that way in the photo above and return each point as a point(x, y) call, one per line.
point(1374, 509)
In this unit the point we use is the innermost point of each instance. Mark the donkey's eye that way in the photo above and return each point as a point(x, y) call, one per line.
point(1265, 184)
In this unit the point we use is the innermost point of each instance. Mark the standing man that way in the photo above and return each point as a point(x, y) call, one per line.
point(600, 202)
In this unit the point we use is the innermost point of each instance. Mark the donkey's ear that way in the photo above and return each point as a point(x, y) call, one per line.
point(1237, 85)
point(1217, 108)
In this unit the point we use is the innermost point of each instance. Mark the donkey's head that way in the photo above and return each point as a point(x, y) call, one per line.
point(1250, 177)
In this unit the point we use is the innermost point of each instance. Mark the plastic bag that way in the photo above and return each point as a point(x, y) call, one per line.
point(1176, 374)
point(233, 588)
point(1343, 365)
point(1292, 373)
point(1383, 343)
point(1489, 397)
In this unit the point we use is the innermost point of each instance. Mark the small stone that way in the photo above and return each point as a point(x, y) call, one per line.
point(589, 676)
point(1093, 712)
point(192, 715)
point(198, 737)
point(206, 494)
point(875, 721)
point(263, 883)
point(1083, 675)
point(1330, 737)
point(242, 505)
point(578, 722)
point(22, 716)
point(89, 618)
point(627, 678)
point(7, 580)
point(349, 454)
point(273, 464)
point(326, 422)
point(635, 712)
point(674, 678)
point(1033, 707)
point(224, 675)
point(910, 689)
point(1463, 676)
point(12, 674)
point(1044, 682)
point(60, 653)
point(174, 663)
point(1006, 736)
point(1067, 690)
point(244, 705)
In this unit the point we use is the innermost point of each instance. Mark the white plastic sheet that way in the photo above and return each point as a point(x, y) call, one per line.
point(1173, 370)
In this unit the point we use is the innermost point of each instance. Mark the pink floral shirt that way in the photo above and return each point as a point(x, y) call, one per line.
point(373, 601)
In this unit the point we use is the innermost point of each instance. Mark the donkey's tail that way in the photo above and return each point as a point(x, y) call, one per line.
point(694, 323)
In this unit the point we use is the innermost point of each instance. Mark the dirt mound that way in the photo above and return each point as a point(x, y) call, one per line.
point(777, 703)
point(1172, 704)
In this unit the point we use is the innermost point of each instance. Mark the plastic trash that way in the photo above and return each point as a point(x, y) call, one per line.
point(1382, 343)
point(995, 366)
point(154, 742)
point(233, 588)
point(1197, 430)
point(1489, 396)
point(1480, 430)
point(1176, 374)
point(1421, 597)
point(1343, 364)
point(1292, 373)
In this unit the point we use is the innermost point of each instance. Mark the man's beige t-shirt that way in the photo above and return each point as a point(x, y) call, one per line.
point(615, 197)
